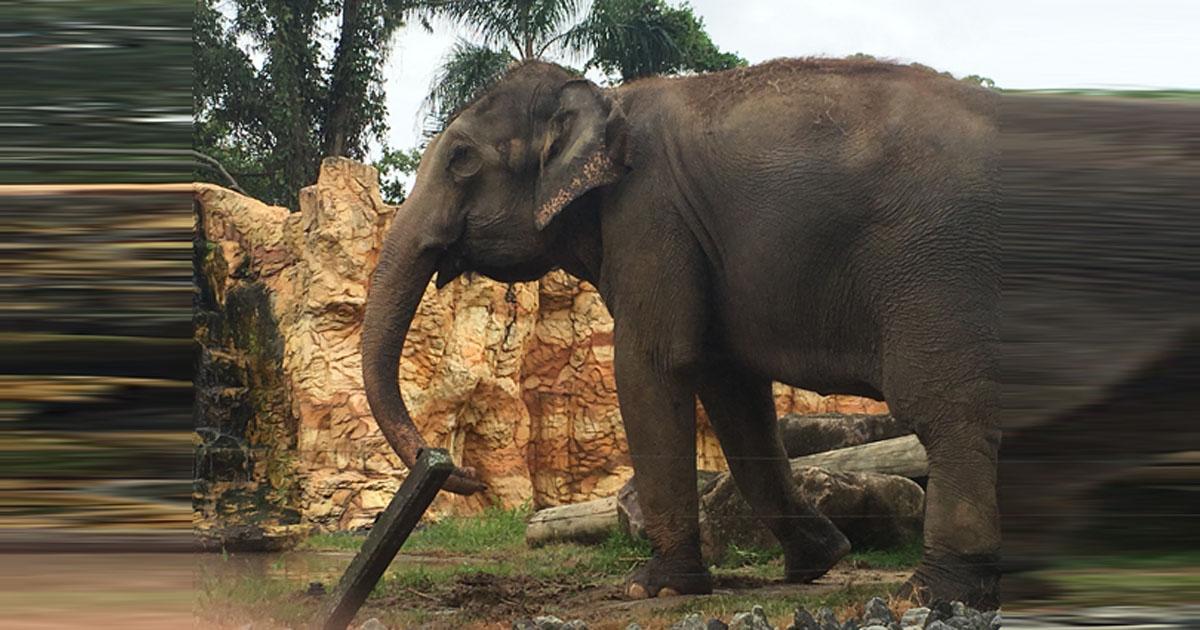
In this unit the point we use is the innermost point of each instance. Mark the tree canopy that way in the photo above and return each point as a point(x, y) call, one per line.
point(279, 84)
point(625, 39)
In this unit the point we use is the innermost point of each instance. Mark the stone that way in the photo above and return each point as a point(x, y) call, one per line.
point(515, 380)
point(575, 624)
point(756, 619)
point(826, 619)
point(876, 612)
point(914, 617)
point(873, 510)
point(803, 620)
point(937, 624)
point(691, 622)
point(372, 624)
point(939, 610)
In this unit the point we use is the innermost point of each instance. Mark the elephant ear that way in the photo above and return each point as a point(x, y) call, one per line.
point(584, 148)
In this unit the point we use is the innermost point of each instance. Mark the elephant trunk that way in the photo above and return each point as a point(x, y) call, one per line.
point(399, 281)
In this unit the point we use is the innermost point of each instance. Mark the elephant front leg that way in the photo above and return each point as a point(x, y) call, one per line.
point(659, 411)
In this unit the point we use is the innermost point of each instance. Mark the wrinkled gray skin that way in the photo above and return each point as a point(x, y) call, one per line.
point(832, 225)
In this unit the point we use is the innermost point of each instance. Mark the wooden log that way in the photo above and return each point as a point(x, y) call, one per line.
point(394, 525)
point(592, 521)
point(902, 456)
point(587, 522)
point(808, 434)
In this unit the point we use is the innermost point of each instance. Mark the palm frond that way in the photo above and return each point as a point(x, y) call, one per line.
point(465, 72)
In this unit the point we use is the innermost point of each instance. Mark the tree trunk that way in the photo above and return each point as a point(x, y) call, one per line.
point(340, 95)
point(587, 522)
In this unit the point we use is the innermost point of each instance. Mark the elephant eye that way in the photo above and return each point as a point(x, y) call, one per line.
point(464, 161)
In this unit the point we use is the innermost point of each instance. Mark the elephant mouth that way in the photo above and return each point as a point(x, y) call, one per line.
point(454, 263)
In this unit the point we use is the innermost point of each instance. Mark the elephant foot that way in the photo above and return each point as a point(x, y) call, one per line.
point(815, 556)
point(661, 577)
point(972, 580)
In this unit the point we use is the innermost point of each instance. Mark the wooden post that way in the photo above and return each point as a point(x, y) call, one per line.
point(390, 531)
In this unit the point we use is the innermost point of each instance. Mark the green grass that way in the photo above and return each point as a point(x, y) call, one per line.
point(497, 529)
point(906, 557)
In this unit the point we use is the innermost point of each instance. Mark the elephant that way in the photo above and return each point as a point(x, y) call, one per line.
point(834, 225)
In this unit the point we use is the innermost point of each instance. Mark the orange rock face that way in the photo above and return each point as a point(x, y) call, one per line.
point(514, 380)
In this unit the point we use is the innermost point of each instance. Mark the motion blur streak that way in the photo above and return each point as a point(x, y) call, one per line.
point(95, 327)
point(1100, 354)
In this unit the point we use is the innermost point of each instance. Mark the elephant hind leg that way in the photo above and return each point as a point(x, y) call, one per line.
point(962, 527)
point(742, 413)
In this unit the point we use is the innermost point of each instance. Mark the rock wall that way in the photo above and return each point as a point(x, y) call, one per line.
point(515, 380)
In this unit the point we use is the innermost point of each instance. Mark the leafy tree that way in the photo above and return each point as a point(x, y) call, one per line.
point(630, 39)
point(393, 167)
point(270, 101)
point(626, 39)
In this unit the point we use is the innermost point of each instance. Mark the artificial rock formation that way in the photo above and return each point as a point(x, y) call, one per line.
point(514, 380)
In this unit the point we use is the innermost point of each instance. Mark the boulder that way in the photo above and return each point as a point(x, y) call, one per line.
point(817, 433)
point(873, 510)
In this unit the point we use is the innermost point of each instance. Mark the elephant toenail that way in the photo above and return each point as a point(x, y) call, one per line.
point(636, 591)
point(667, 591)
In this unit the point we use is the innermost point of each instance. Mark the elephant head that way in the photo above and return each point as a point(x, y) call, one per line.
point(486, 190)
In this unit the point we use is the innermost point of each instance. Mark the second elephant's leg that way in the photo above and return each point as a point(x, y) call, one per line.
point(742, 412)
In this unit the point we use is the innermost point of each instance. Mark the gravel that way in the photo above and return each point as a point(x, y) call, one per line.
point(938, 616)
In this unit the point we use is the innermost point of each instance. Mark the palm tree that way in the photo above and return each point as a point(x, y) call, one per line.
point(505, 31)
point(625, 39)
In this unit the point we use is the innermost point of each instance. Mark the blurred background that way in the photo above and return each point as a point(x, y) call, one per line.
point(95, 313)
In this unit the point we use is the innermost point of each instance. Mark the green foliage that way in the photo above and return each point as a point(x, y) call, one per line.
point(270, 100)
point(980, 81)
point(899, 558)
point(530, 27)
point(626, 39)
point(393, 167)
point(636, 38)
point(496, 530)
point(465, 71)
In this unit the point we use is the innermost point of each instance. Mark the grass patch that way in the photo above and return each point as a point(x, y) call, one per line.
point(497, 529)
point(906, 557)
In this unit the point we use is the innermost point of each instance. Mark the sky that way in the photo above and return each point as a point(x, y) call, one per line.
point(1025, 44)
